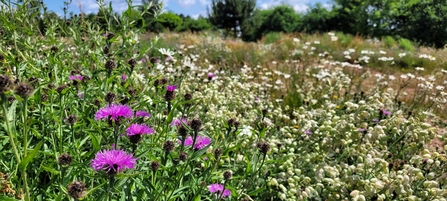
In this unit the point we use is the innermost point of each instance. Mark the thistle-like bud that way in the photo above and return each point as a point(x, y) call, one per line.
point(168, 146)
point(77, 190)
point(64, 159)
point(155, 165)
point(24, 90)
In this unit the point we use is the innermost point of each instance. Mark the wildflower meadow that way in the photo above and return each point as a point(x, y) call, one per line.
point(106, 113)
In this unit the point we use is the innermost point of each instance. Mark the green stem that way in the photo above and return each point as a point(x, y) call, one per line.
point(25, 134)
point(111, 182)
point(8, 127)
point(25, 183)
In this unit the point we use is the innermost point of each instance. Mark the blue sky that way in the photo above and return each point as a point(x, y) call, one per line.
point(193, 8)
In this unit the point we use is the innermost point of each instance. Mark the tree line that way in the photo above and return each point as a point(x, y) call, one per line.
point(421, 21)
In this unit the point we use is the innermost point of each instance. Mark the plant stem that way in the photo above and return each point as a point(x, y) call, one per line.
point(25, 133)
point(111, 182)
point(8, 127)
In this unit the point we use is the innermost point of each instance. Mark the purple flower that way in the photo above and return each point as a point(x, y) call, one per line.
point(139, 129)
point(386, 112)
point(75, 77)
point(201, 141)
point(375, 120)
point(142, 113)
point(210, 75)
point(218, 188)
point(178, 122)
point(80, 94)
point(124, 77)
point(171, 87)
point(361, 129)
point(114, 112)
point(308, 132)
point(113, 161)
point(168, 59)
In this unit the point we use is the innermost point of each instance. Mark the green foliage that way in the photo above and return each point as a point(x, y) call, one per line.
point(280, 19)
point(272, 37)
point(169, 20)
point(232, 15)
point(389, 41)
point(406, 44)
point(318, 19)
point(194, 25)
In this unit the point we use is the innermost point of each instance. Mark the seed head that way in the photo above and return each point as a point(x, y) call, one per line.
point(71, 120)
point(182, 131)
point(24, 90)
point(54, 49)
point(61, 88)
point(110, 36)
point(196, 124)
point(64, 159)
point(155, 165)
point(168, 146)
point(132, 62)
point(110, 97)
point(217, 153)
point(105, 50)
point(183, 156)
point(135, 139)
point(5, 83)
point(77, 190)
point(227, 175)
point(110, 65)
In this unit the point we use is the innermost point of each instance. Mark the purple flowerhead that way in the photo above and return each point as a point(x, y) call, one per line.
point(171, 87)
point(168, 59)
point(142, 113)
point(219, 189)
point(114, 112)
point(210, 75)
point(178, 122)
point(80, 95)
point(385, 112)
point(124, 77)
point(113, 161)
point(308, 132)
point(361, 129)
point(75, 77)
point(375, 120)
point(201, 142)
point(139, 129)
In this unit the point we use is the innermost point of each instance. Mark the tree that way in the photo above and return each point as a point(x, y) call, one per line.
point(231, 15)
point(318, 19)
point(281, 18)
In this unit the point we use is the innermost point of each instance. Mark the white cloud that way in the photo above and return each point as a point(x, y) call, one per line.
point(297, 5)
point(186, 3)
point(91, 6)
point(204, 2)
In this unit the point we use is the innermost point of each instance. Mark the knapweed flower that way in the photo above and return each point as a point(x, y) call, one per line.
point(114, 112)
point(113, 161)
point(139, 129)
point(178, 122)
point(210, 76)
point(75, 77)
point(219, 190)
point(201, 142)
point(135, 131)
point(142, 113)
point(124, 77)
point(171, 87)
point(308, 132)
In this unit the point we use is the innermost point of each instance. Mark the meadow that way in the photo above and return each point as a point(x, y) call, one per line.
point(126, 115)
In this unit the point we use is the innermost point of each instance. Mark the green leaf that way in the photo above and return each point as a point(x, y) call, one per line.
point(4, 198)
point(30, 156)
point(255, 192)
point(49, 169)
point(95, 142)
point(197, 198)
